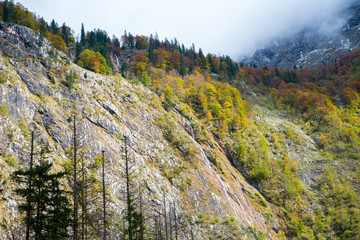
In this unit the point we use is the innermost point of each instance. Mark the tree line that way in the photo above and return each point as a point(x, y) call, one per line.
point(94, 49)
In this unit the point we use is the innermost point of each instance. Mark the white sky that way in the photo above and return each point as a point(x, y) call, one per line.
point(222, 27)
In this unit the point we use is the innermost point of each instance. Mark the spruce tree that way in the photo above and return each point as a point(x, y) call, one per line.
point(50, 210)
point(8, 11)
point(65, 34)
point(54, 27)
point(82, 36)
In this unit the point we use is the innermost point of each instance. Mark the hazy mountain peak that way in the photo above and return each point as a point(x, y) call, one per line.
point(312, 46)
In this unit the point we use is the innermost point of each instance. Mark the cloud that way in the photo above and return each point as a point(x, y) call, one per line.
point(227, 27)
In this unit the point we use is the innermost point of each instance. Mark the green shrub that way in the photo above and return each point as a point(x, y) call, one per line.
point(70, 79)
point(3, 109)
point(3, 78)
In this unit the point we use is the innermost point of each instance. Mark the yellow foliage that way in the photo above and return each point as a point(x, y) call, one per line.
point(322, 139)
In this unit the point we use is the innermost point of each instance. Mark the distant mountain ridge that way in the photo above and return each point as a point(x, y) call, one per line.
point(309, 47)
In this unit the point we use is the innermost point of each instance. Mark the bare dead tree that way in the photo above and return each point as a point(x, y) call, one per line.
point(141, 220)
point(176, 224)
point(83, 202)
point(75, 182)
point(104, 194)
point(28, 208)
point(170, 223)
point(165, 217)
point(128, 193)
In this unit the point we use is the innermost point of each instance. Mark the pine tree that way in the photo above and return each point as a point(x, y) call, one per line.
point(8, 11)
point(54, 27)
point(131, 41)
point(50, 210)
point(65, 34)
point(82, 36)
point(42, 27)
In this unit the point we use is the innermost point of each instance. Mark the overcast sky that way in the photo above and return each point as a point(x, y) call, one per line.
point(222, 27)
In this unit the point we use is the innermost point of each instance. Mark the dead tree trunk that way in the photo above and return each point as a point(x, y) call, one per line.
point(176, 227)
point(104, 192)
point(28, 208)
point(75, 184)
point(83, 200)
point(165, 219)
point(128, 194)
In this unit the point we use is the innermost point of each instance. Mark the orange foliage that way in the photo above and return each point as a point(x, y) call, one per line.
point(95, 64)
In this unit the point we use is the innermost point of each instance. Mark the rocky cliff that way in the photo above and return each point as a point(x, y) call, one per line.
point(212, 200)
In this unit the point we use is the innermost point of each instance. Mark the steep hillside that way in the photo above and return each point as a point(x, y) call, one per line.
point(217, 150)
point(212, 200)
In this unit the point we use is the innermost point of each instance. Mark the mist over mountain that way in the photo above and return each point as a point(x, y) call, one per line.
point(312, 45)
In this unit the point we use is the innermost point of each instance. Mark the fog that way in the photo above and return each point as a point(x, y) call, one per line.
point(228, 27)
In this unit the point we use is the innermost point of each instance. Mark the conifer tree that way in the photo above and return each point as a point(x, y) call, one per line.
point(131, 41)
point(42, 27)
point(50, 212)
point(54, 27)
point(82, 36)
point(8, 11)
point(65, 34)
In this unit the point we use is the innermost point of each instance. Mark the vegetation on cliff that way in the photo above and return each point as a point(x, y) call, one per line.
point(224, 103)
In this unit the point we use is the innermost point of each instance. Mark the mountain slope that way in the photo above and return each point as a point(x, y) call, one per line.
point(195, 142)
point(34, 96)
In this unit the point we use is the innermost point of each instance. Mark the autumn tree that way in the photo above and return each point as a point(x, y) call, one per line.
point(94, 61)
point(141, 61)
